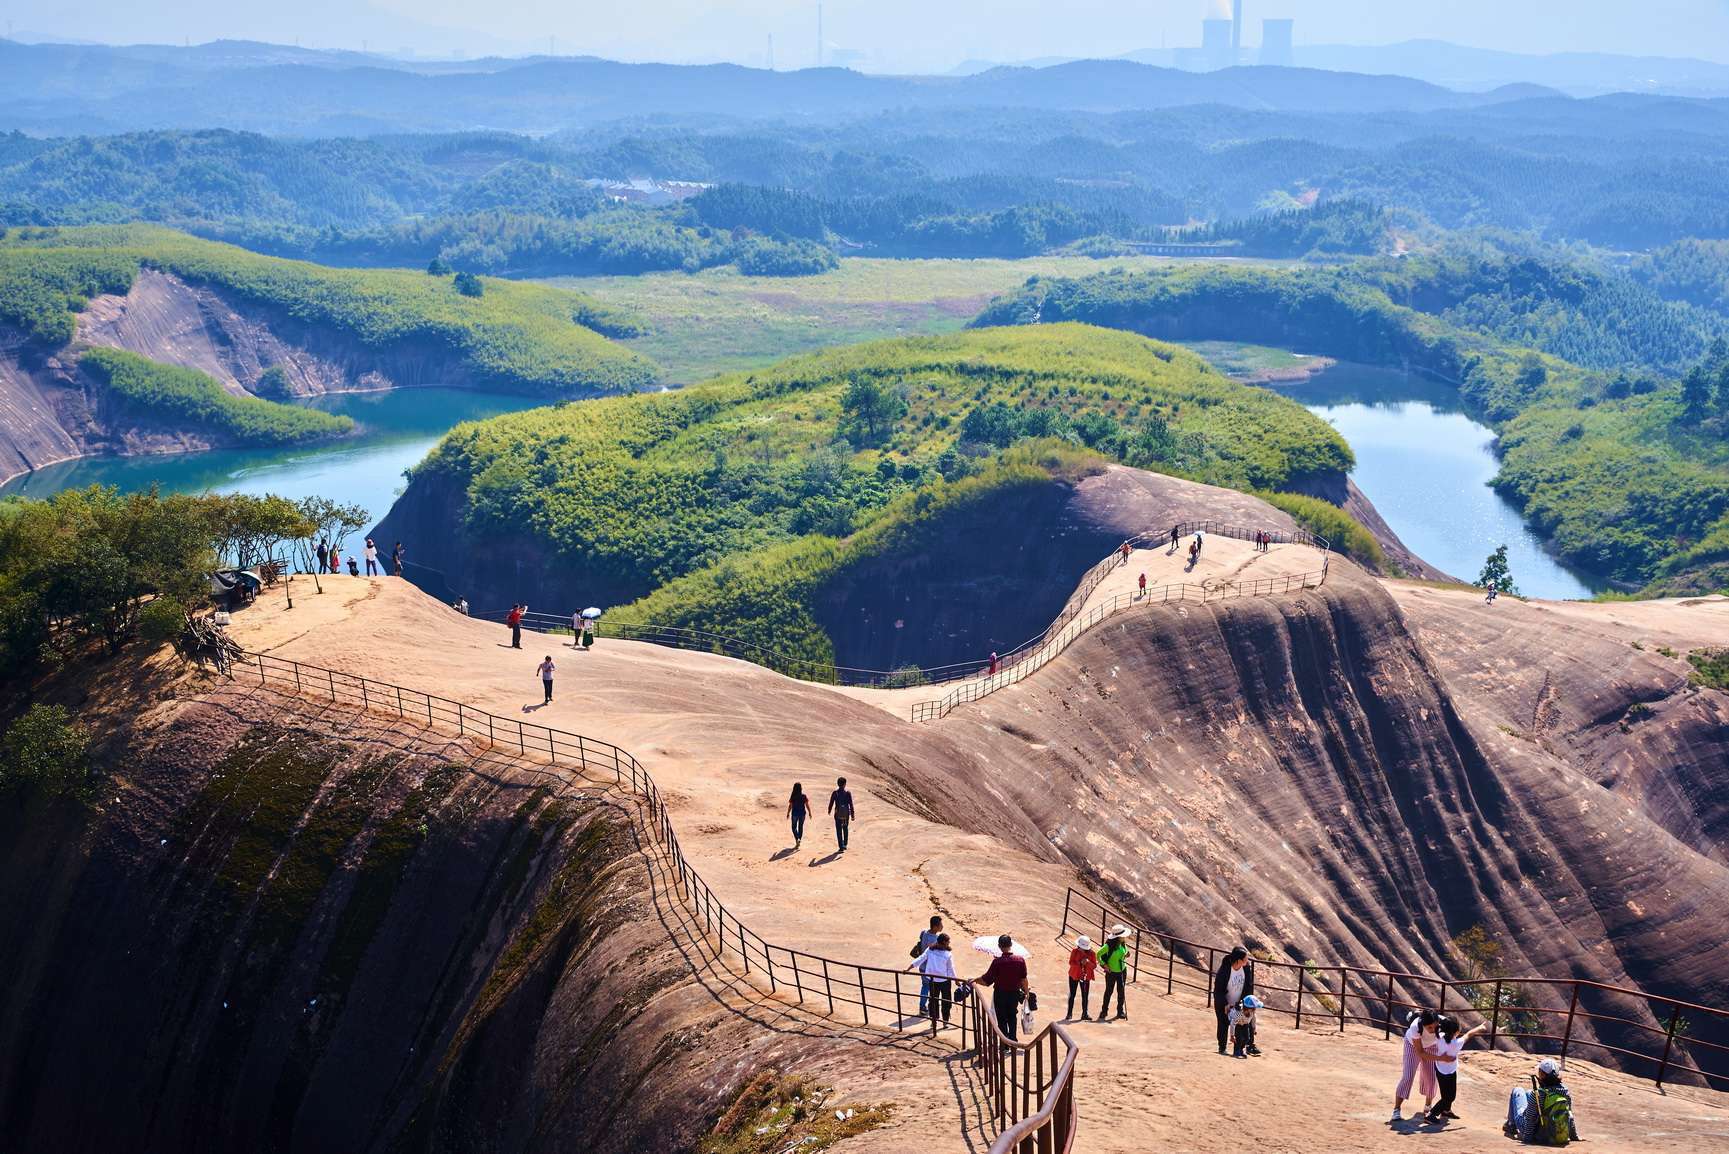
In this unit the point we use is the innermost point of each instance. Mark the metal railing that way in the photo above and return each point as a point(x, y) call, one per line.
point(879, 995)
point(1029, 1086)
point(702, 641)
point(1517, 1010)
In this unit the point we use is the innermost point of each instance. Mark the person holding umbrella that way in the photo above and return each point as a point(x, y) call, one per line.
point(1007, 977)
point(589, 617)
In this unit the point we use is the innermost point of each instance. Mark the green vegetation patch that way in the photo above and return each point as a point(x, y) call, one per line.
point(1710, 668)
point(1343, 531)
point(526, 338)
point(46, 749)
point(189, 399)
point(644, 490)
point(776, 1112)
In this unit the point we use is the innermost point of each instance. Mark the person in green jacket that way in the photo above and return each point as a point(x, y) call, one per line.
point(1113, 957)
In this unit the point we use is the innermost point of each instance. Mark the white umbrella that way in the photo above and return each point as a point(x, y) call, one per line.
point(591, 613)
point(988, 945)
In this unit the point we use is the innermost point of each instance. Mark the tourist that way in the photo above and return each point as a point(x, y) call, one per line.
point(1194, 555)
point(514, 620)
point(927, 939)
point(460, 605)
point(1243, 1027)
point(1418, 1061)
point(798, 808)
point(1543, 1114)
point(840, 804)
point(1176, 531)
point(936, 967)
point(991, 670)
point(1493, 593)
point(323, 556)
point(396, 553)
point(353, 567)
point(577, 622)
point(1447, 1053)
point(1114, 959)
point(588, 625)
point(335, 559)
point(371, 557)
point(1234, 981)
point(546, 670)
point(1124, 550)
point(1143, 591)
point(1083, 965)
point(1007, 977)
point(1197, 542)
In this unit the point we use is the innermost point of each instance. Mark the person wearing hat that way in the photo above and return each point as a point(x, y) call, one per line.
point(1243, 1026)
point(1543, 1114)
point(1083, 964)
point(1234, 981)
point(1114, 958)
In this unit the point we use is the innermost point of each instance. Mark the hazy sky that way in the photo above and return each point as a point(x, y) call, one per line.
point(900, 34)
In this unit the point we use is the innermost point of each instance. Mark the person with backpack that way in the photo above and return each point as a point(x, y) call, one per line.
point(936, 967)
point(1447, 1066)
point(514, 620)
point(927, 939)
point(1543, 1114)
point(1232, 982)
point(1114, 959)
point(1083, 964)
point(798, 808)
point(840, 804)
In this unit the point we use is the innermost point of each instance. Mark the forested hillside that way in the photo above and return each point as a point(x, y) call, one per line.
point(755, 487)
point(515, 337)
point(1625, 472)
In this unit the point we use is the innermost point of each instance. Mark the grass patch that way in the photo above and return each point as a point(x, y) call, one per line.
point(774, 1113)
point(1343, 531)
point(1710, 668)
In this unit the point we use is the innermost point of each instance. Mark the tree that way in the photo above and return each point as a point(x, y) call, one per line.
point(1496, 575)
point(1480, 951)
point(469, 285)
point(329, 521)
point(249, 530)
point(437, 267)
point(1695, 393)
point(47, 749)
point(1532, 371)
point(869, 411)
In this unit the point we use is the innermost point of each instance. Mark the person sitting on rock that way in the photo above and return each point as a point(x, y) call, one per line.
point(1543, 1114)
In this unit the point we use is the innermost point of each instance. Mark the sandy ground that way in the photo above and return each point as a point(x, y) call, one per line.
point(1227, 567)
point(724, 739)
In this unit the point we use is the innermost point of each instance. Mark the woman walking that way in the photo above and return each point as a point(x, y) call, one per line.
point(937, 966)
point(546, 670)
point(1418, 1055)
point(798, 808)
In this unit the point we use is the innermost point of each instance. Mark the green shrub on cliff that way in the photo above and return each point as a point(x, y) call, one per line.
point(1342, 531)
point(187, 399)
point(47, 750)
point(526, 338)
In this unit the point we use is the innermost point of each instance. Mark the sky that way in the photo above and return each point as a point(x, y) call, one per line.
point(901, 35)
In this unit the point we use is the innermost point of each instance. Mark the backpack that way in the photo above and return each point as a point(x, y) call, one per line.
point(1554, 1115)
point(918, 948)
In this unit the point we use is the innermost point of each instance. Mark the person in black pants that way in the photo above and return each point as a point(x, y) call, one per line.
point(1007, 977)
point(1234, 981)
point(840, 804)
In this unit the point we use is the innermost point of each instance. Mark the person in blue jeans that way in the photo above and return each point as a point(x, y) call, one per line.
point(927, 939)
point(1524, 1117)
point(798, 808)
point(840, 804)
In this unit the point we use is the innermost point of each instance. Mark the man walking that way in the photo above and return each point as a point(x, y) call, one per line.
point(1114, 957)
point(1007, 977)
point(840, 804)
point(927, 939)
point(1174, 535)
point(546, 670)
point(514, 620)
point(323, 556)
point(371, 557)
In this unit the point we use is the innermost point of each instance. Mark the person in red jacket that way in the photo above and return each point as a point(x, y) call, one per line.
point(1083, 966)
point(515, 623)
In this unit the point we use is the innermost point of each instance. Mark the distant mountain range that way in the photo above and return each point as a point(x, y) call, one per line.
point(67, 89)
point(1466, 69)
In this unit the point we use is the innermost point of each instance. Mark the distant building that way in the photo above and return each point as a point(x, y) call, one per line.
point(1236, 30)
point(1276, 43)
point(1216, 49)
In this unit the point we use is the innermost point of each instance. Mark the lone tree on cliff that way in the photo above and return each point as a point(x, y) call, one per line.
point(1496, 575)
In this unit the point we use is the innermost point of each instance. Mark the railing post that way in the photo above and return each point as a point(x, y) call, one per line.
point(742, 951)
point(1389, 1031)
point(1299, 999)
point(1136, 974)
point(828, 986)
point(1341, 999)
point(399, 712)
point(1567, 1036)
point(331, 672)
point(1170, 967)
point(900, 1007)
point(797, 978)
point(1668, 1044)
point(1495, 1015)
point(1212, 967)
point(863, 998)
point(296, 674)
point(1067, 898)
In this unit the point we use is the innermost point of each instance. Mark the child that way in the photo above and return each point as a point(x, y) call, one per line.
point(1242, 1023)
point(1447, 1066)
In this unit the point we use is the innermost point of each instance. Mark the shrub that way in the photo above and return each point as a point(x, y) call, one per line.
point(469, 285)
point(162, 621)
point(47, 750)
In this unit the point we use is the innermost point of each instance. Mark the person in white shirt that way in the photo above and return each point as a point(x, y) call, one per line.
point(546, 670)
point(371, 558)
point(937, 965)
point(1447, 1051)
